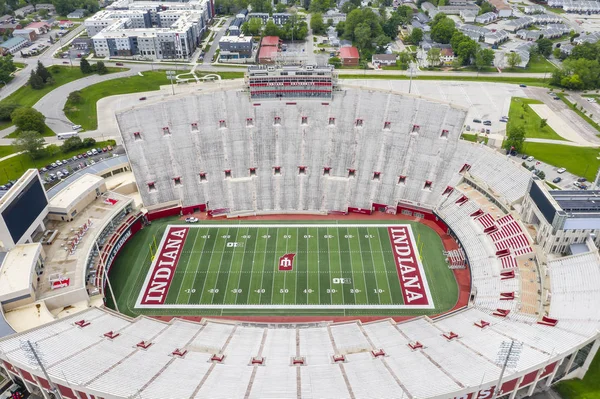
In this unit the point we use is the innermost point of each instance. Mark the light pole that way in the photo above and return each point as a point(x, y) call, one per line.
point(508, 356)
point(30, 351)
point(411, 71)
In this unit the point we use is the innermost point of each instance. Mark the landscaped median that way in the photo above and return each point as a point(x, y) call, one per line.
point(85, 112)
point(496, 78)
point(27, 97)
point(521, 114)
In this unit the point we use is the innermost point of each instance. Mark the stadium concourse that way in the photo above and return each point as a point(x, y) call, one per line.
point(220, 155)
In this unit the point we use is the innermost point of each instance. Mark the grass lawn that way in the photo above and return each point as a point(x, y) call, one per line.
point(6, 150)
point(588, 388)
point(46, 133)
point(13, 168)
point(86, 115)
point(537, 64)
point(27, 97)
point(474, 138)
point(249, 275)
point(581, 161)
point(521, 114)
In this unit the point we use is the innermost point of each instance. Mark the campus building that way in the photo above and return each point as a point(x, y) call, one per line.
point(149, 30)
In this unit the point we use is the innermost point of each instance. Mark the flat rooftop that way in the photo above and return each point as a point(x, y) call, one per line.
point(577, 201)
point(70, 194)
point(72, 265)
point(15, 272)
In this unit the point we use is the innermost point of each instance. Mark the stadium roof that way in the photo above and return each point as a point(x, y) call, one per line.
point(68, 196)
point(16, 271)
point(93, 169)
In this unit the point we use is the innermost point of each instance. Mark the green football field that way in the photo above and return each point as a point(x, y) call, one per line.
point(292, 269)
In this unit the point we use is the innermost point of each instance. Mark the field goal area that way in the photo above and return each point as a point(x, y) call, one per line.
point(261, 266)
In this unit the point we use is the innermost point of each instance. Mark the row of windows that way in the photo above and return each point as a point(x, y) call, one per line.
point(302, 170)
point(277, 122)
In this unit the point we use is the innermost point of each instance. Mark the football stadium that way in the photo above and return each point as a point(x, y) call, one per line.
point(291, 236)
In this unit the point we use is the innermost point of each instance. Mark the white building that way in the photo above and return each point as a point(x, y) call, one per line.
point(486, 18)
point(137, 29)
point(564, 219)
point(534, 9)
point(496, 38)
point(335, 16)
point(468, 15)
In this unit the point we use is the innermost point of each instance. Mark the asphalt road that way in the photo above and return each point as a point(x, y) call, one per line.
point(220, 32)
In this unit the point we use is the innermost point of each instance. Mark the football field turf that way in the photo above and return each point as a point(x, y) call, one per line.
point(293, 269)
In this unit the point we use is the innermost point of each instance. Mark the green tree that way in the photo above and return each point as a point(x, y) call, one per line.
point(101, 68)
point(7, 67)
point(85, 66)
point(6, 110)
point(484, 58)
point(71, 144)
point(254, 26)
point(43, 13)
point(362, 35)
point(543, 123)
point(416, 36)
point(89, 142)
point(513, 59)
point(335, 61)
point(584, 50)
point(544, 46)
point(280, 7)
point(433, 56)
point(467, 51)
point(30, 142)
point(319, 5)
point(316, 23)
point(485, 7)
point(329, 21)
point(42, 72)
point(261, 6)
point(35, 81)
point(75, 97)
point(26, 118)
point(271, 29)
point(340, 27)
point(443, 30)
point(404, 60)
point(515, 138)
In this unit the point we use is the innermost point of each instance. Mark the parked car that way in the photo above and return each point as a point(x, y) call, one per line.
point(119, 64)
point(94, 151)
point(53, 165)
point(581, 179)
point(59, 174)
point(591, 100)
point(74, 158)
point(487, 123)
point(142, 98)
point(524, 156)
point(89, 153)
point(64, 161)
point(76, 127)
point(476, 120)
point(530, 159)
point(79, 156)
point(561, 170)
point(85, 154)
point(109, 148)
point(104, 149)
point(65, 172)
point(191, 220)
point(557, 180)
point(522, 85)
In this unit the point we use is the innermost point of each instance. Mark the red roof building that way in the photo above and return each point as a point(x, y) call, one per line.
point(349, 56)
point(269, 46)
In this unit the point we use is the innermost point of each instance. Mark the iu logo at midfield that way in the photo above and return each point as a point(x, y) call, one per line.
point(286, 262)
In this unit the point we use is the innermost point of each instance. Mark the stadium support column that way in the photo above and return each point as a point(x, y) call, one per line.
point(34, 353)
point(508, 356)
point(589, 358)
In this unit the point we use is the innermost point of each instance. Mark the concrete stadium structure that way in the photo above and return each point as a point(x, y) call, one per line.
point(359, 150)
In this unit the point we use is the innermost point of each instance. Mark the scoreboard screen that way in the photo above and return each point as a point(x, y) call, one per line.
point(24, 209)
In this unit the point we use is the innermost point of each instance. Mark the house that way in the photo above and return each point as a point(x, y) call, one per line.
point(269, 47)
point(495, 38)
point(82, 44)
point(13, 45)
point(529, 35)
point(544, 19)
point(523, 49)
point(475, 32)
point(566, 49)
point(77, 14)
point(534, 9)
point(349, 56)
point(27, 34)
point(503, 9)
point(428, 8)
point(468, 15)
point(457, 2)
point(235, 47)
point(234, 28)
point(515, 25)
point(39, 27)
point(588, 38)
point(422, 18)
point(280, 18)
point(486, 18)
point(384, 59)
point(335, 16)
point(264, 16)
point(8, 28)
point(455, 10)
point(28, 9)
point(65, 24)
point(345, 43)
point(447, 56)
